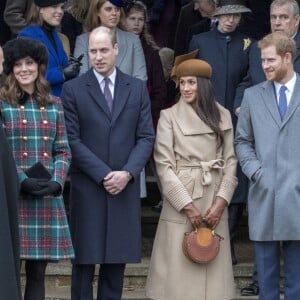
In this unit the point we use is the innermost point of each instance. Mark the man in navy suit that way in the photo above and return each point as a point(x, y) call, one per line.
point(111, 138)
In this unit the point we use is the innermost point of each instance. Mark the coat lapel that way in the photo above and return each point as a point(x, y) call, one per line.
point(270, 101)
point(121, 94)
point(294, 103)
point(96, 94)
point(121, 40)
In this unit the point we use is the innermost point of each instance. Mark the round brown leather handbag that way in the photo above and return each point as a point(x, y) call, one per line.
point(201, 245)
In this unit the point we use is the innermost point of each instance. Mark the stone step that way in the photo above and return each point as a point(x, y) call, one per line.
point(63, 293)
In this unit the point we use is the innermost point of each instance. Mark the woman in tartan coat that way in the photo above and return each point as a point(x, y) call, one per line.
point(33, 121)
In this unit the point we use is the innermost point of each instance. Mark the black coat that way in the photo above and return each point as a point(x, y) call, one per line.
point(228, 55)
point(9, 231)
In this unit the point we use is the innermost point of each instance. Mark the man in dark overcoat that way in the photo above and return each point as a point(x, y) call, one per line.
point(9, 230)
point(111, 137)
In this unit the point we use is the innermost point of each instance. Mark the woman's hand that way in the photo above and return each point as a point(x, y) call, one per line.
point(193, 214)
point(214, 213)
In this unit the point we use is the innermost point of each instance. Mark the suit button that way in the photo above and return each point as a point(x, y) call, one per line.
point(24, 121)
point(25, 154)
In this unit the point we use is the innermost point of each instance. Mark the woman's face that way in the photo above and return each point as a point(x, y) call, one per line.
point(52, 14)
point(109, 15)
point(1, 60)
point(135, 21)
point(228, 23)
point(188, 88)
point(26, 73)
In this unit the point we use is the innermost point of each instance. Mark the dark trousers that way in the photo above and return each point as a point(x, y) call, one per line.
point(267, 256)
point(35, 279)
point(110, 282)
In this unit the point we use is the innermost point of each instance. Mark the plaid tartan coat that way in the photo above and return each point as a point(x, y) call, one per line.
point(38, 134)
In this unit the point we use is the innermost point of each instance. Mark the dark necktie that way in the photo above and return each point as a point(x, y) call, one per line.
point(282, 105)
point(107, 93)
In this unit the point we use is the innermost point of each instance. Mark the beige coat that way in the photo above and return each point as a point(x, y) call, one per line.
point(185, 155)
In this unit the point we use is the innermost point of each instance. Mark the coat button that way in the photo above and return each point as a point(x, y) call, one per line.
point(25, 154)
point(45, 122)
point(24, 121)
point(45, 154)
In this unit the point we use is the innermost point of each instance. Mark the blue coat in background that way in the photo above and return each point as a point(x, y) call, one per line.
point(228, 55)
point(57, 60)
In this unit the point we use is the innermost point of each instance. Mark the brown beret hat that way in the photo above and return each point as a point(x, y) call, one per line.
point(188, 65)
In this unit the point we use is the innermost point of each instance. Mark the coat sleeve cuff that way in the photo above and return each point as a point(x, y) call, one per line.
point(178, 197)
point(227, 188)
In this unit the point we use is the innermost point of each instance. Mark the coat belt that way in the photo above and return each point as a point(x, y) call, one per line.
point(201, 173)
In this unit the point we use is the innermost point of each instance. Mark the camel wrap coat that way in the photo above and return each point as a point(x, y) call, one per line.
point(191, 169)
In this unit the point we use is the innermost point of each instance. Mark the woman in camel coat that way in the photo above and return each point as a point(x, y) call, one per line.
point(196, 165)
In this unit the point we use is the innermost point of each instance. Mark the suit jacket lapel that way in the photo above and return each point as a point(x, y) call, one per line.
point(270, 101)
point(121, 94)
point(96, 94)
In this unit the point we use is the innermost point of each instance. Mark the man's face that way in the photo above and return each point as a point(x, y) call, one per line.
point(283, 20)
point(102, 53)
point(276, 68)
point(205, 7)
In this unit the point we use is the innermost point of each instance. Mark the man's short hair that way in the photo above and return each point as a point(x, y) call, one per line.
point(282, 43)
point(294, 6)
point(105, 30)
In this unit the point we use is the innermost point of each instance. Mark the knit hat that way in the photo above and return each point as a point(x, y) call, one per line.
point(22, 47)
point(188, 65)
point(46, 3)
point(231, 7)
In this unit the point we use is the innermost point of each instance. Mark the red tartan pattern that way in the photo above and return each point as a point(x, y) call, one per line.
point(44, 231)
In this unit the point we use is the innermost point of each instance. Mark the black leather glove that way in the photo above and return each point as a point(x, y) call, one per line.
point(71, 70)
point(48, 188)
point(30, 185)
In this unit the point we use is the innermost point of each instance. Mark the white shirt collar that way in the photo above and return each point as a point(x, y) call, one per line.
point(289, 87)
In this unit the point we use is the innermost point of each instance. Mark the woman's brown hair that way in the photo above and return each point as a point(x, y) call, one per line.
point(12, 93)
point(207, 109)
point(92, 19)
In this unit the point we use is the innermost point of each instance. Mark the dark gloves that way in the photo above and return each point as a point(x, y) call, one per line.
point(30, 185)
point(48, 188)
point(193, 214)
point(73, 68)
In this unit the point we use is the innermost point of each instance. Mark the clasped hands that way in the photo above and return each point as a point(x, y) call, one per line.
point(40, 187)
point(212, 216)
point(115, 182)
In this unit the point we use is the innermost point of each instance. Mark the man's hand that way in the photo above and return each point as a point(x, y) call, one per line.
point(114, 182)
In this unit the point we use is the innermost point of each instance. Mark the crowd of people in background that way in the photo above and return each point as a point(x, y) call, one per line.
point(177, 85)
